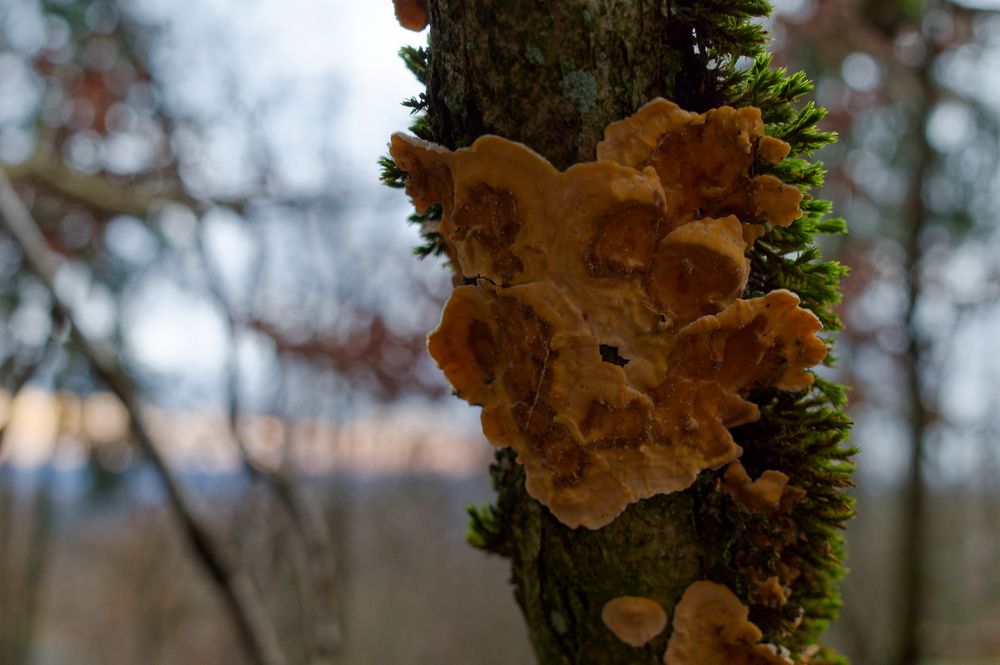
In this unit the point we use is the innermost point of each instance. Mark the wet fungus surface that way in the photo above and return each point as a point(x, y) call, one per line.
point(598, 319)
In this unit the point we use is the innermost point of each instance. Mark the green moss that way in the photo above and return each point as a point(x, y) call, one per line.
point(802, 435)
point(484, 529)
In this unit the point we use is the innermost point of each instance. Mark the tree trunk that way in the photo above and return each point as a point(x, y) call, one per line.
point(552, 76)
point(912, 580)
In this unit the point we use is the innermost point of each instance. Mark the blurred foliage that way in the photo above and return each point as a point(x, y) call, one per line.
point(218, 279)
point(124, 181)
point(117, 175)
point(906, 86)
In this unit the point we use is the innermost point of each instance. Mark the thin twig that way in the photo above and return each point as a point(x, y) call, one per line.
point(308, 524)
point(15, 377)
point(258, 634)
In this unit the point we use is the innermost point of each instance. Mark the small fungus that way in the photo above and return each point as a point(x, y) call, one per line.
point(711, 627)
point(770, 492)
point(772, 149)
point(699, 268)
point(411, 14)
point(633, 619)
point(599, 321)
point(770, 592)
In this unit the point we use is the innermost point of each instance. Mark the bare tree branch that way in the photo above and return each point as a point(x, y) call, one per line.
point(308, 525)
point(103, 193)
point(246, 608)
point(97, 191)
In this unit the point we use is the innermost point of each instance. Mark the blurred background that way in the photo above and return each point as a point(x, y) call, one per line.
point(205, 173)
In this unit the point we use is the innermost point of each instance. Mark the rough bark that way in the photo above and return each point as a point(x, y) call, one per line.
point(562, 577)
point(552, 75)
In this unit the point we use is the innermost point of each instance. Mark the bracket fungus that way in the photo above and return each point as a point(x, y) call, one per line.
point(704, 162)
point(411, 14)
point(633, 619)
point(770, 492)
point(711, 627)
point(599, 319)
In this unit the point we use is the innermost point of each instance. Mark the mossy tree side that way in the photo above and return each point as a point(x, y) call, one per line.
point(552, 75)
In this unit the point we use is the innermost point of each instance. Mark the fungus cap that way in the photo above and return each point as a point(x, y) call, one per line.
point(411, 14)
point(711, 627)
point(772, 149)
point(770, 592)
point(633, 619)
point(703, 161)
point(699, 268)
point(770, 492)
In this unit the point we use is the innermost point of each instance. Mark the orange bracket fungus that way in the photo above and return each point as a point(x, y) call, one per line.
point(633, 619)
point(598, 317)
point(711, 628)
point(411, 14)
point(770, 492)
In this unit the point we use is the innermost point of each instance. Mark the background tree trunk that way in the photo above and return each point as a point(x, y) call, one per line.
point(913, 547)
